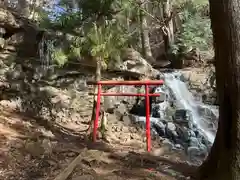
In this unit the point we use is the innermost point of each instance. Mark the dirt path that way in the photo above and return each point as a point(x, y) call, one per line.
point(31, 150)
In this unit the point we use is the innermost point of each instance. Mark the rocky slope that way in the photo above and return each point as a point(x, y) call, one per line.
point(57, 112)
point(38, 149)
point(53, 113)
point(202, 83)
point(45, 112)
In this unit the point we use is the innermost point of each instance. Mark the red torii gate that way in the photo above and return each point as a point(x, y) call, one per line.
point(146, 83)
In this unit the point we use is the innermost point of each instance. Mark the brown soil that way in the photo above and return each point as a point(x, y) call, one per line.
point(32, 150)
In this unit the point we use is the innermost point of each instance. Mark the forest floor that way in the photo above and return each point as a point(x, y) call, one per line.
point(31, 151)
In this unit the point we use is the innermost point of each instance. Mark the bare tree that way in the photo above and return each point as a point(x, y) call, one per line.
point(146, 48)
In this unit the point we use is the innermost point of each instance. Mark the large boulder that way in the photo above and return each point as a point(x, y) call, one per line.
point(183, 116)
point(112, 102)
point(18, 32)
point(133, 61)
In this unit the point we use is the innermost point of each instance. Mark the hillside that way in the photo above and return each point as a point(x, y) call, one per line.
point(32, 149)
point(48, 55)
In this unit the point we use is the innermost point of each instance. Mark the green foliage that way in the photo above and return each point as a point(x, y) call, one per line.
point(59, 57)
point(105, 41)
point(195, 31)
point(97, 28)
point(101, 28)
point(74, 52)
point(44, 21)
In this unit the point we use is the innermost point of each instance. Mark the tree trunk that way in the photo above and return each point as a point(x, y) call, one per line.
point(223, 162)
point(23, 6)
point(146, 48)
point(36, 6)
point(97, 78)
point(168, 30)
point(103, 126)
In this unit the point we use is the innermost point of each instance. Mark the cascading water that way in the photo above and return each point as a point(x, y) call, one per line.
point(182, 121)
point(45, 48)
point(185, 99)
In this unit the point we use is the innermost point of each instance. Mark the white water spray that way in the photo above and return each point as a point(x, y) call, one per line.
point(185, 99)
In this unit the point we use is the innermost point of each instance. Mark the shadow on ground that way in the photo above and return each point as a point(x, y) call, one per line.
point(33, 150)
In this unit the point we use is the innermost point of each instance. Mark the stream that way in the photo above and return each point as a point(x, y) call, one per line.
point(183, 122)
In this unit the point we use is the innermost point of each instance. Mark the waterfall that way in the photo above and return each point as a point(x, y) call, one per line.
point(45, 48)
point(185, 99)
point(182, 122)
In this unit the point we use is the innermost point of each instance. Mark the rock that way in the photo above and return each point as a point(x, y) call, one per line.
point(13, 104)
point(183, 133)
point(2, 31)
point(161, 151)
point(142, 124)
point(80, 84)
point(47, 146)
point(111, 102)
point(203, 139)
point(161, 62)
point(120, 111)
point(8, 19)
point(165, 110)
point(23, 39)
point(127, 120)
point(133, 61)
point(210, 115)
point(47, 133)
point(168, 143)
point(204, 82)
point(15, 74)
point(116, 128)
point(203, 149)
point(35, 149)
point(159, 127)
point(138, 109)
point(193, 152)
point(171, 127)
point(159, 103)
point(61, 99)
point(159, 76)
point(162, 97)
point(193, 141)
point(210, 97)
point(199, 134)
point(191, 133)
point(133, 118)
point(178, 146)
point(183, 116)
point(3, 71)
point(52, 91)
point(132, 136)
point(190, 125)
point(141, 121)
point(183, 78)
point(197, 154)
point(171, 131)
point(156, 112)
point(17, 145)
point(2, 43)
point(194, 126)
point(154, 134)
